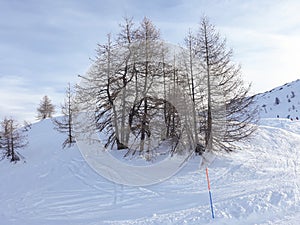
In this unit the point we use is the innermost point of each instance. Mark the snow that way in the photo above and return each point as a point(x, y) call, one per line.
point(115, 168)
point(257, 185)
point(282, 102)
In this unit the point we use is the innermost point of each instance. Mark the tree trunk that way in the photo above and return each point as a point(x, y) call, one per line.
point(208, 137)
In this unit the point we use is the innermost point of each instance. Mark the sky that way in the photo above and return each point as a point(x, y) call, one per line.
point(44, 44)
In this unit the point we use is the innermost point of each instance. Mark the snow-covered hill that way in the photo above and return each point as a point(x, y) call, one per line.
point(281, 102)
point(258, 185)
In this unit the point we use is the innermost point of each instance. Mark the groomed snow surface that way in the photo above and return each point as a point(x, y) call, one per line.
point(258, 185)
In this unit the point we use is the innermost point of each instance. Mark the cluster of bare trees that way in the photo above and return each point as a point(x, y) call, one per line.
point(13, 136)
point(64, 123)
point(143, 92)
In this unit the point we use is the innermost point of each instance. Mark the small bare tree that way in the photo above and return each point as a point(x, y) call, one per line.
point(65, 124)
point(11, 139)
point(45, 109)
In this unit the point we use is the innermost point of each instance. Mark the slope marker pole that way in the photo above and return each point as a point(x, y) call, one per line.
point(210, 196)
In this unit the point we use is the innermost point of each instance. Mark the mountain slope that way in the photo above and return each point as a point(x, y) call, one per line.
point(258, 185)
point(281, 102)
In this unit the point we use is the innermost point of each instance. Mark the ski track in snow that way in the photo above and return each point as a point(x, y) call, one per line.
point(257, 185)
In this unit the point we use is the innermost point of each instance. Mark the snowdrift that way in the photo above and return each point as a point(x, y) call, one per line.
point(259, 184)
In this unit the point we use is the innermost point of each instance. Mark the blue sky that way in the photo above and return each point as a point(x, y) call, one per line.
point(44, 44)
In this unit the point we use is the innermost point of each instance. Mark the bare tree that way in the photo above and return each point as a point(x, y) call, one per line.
point(12, 137)
point(192, 72)
point(45, 109)
point(148, 36)
point(125, 39)
point(99, 89)
point(65, 124)
point(229, 115)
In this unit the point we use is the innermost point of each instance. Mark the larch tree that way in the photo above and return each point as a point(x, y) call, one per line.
point(99, 89)
point(125, 40)
point(149, 53)
point(66, 123)
point(193, 71)
point(45, 109)
point(229, 115)
point(12, 138)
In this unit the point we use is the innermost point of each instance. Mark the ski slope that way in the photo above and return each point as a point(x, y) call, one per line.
point(260, 184)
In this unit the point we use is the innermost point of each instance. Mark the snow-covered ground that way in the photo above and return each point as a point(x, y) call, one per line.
point(260, 184)
point(281, 102)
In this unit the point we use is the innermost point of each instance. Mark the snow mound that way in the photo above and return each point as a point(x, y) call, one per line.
point(257, 185)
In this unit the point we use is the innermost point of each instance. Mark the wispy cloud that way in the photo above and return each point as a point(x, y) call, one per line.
point(266, 42)
point(19, 98)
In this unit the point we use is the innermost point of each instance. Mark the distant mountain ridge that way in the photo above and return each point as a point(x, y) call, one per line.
point(280, 102)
